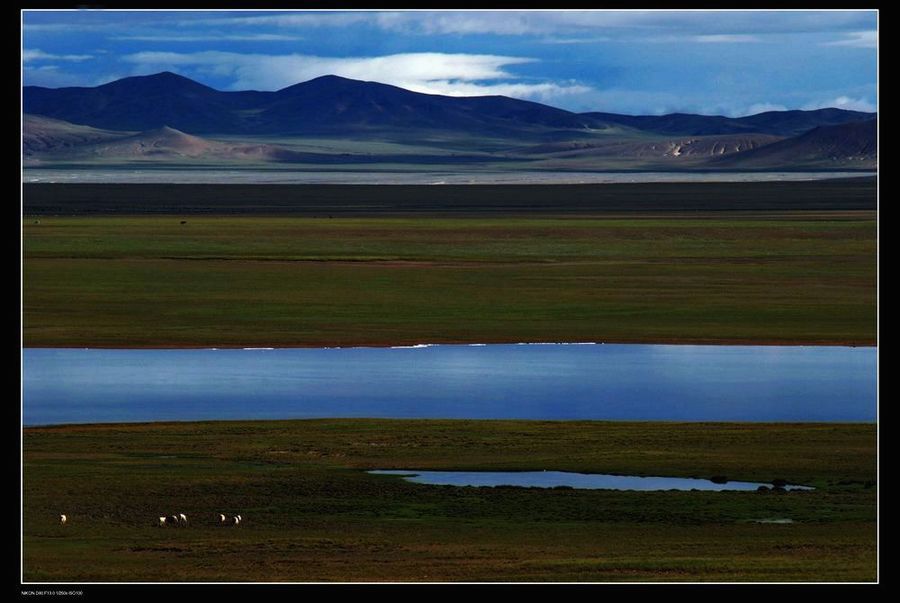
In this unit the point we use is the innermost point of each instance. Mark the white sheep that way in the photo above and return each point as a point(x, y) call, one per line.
point(162, 521)
point(222, 518)
point(182, 518)
point(236, 520)
point(63, 519)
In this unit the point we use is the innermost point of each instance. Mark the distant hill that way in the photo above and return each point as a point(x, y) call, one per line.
point(166, 144)
point(335, 104)
point(334, 120)
point(42, 134)
point(327, 103)
point(777, 123)
point(851, 145)
point(171, 146)
point(696, 147)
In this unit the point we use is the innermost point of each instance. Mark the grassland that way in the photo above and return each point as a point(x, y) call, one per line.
point(160, 266)
point(201, 280)
point(476, 200)
point(312, 514)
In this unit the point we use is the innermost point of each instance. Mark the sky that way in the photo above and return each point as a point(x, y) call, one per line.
point(647, 62)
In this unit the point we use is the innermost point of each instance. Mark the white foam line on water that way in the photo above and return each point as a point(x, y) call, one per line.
point(417, 346)
point(560, 343)
point(412, 347)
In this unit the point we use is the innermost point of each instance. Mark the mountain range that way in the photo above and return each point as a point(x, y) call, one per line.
point(333, 120)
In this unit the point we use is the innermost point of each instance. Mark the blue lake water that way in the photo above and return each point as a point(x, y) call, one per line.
point(552, 479)
point(614, 382)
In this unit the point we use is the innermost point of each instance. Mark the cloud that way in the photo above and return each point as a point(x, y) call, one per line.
point(842, 102)
point(33, 54)
point(546, 22)
point(590, 40)
point(66, 27)
point(54, 76)
point(426, 72)
point(725, 38)
point(857, 39)
point(537, 92)
point(210, 38)
point(288, 19)
point(759, 108)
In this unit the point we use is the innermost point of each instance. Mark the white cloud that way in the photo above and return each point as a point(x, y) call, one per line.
point(67, 27)
point(725, 38)
point(210, 38)
point(33, 54)
point(54, 76)
point(842, 102)
point(284, 19)
point(546, 22)
point(857, 39)
point(537, 92)
point(760, 108)
point(427, 72)
point(591, 40)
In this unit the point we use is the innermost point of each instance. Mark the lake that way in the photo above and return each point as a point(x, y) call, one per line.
point(534, 381)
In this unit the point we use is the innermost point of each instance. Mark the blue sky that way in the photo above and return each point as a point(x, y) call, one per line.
point(637, 62)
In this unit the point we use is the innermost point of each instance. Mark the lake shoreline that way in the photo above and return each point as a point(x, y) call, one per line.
point(455, 342)
point(423, 420)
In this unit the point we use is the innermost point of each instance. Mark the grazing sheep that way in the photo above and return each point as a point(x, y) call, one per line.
point(63, 519)
point(240, 519)
point(182, 518)
point(162, 522)
point(222, 518)
point(236, 520)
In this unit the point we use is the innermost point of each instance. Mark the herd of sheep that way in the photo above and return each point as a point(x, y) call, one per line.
point(178, 520)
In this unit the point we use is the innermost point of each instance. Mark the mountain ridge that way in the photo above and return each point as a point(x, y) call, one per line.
point(330, 102)
point(167, 117)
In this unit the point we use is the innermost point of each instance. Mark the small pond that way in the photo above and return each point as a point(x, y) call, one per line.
point(554, 479)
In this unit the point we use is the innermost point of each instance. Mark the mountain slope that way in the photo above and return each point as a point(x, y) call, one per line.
point(696, 147)
point(776, 123)
point(853, 145)
point(165, 144)
point(43, 134)
point(336, 105)
point(144, 103)
point(328, 103)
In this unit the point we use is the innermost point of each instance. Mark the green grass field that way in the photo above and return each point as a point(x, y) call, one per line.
point(756, 277)
point(312, 514)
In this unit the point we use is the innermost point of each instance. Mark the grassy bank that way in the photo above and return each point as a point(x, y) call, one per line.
point(717, 277)
point(312, 514)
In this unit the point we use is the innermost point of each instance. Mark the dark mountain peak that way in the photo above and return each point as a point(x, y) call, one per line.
point(165, 81)
point(335, 84)
point(331, 78)
point(166, 76)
